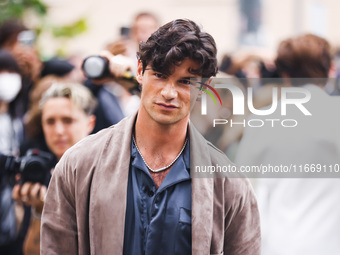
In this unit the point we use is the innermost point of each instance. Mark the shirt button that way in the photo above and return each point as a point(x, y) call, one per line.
point(151, 193)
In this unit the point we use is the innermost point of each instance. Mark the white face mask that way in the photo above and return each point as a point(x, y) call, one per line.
point(10, 85)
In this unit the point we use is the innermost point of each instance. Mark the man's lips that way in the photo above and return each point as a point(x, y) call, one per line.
point(167, 106)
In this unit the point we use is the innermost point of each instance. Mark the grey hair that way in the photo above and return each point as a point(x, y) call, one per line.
point(77, 93)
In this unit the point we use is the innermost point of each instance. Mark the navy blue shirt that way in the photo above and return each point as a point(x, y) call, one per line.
point(158, 221)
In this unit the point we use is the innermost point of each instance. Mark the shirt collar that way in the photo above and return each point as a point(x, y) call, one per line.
point(180, 170)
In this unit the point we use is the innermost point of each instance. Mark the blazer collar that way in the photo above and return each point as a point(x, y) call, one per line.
point(202, 195)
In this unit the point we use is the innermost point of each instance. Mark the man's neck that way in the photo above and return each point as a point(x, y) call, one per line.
point(155, 138)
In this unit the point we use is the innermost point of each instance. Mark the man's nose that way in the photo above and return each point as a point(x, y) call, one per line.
point(169, 91)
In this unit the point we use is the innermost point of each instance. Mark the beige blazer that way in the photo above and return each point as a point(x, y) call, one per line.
point(84, 211)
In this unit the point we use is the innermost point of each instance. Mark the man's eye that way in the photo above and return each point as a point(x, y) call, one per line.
point(186, 82)
point(159, 75)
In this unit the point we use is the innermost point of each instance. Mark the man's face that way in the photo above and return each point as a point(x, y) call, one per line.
point(64, 124)
point(166, 99)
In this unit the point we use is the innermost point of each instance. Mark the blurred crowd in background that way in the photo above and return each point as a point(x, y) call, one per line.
point(25, 77)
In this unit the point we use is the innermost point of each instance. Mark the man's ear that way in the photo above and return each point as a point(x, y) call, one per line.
point(139, 74)
point(91, 124)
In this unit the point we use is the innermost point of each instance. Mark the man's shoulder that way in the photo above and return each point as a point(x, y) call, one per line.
point(218, 156)
point(92, 143)
point(201, 145)
point(238, 190)
point(233, 180)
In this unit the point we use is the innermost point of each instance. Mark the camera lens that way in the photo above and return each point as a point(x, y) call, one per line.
point(95, 67)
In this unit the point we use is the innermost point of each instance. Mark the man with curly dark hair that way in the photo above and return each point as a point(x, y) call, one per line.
point(129, 190)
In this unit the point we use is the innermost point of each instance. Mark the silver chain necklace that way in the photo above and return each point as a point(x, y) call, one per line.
point(163, 168)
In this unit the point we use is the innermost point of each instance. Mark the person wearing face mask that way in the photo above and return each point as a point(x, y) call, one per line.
point(11, 132)
point(11, 136)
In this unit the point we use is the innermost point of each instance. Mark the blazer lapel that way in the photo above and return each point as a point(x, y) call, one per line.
point(109, 191)
point(202, 195)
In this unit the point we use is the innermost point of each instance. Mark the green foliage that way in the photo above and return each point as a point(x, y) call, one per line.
point(17, 8)
point(71, 30)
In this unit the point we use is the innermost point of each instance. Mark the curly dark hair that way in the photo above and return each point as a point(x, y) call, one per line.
point(176, 41)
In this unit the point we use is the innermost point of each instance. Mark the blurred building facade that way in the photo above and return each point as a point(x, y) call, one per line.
point(234, 24)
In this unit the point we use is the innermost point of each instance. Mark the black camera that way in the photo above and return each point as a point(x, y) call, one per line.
point(96, 67)
point(34, 167)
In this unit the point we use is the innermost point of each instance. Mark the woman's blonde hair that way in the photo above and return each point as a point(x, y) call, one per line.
point(77, 93)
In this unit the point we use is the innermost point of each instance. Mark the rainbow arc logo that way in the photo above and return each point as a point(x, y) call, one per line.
point(208, 92)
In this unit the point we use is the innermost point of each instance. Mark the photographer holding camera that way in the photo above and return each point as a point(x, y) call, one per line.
point(11, 136)
point(66, 117)
point(110, 80)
